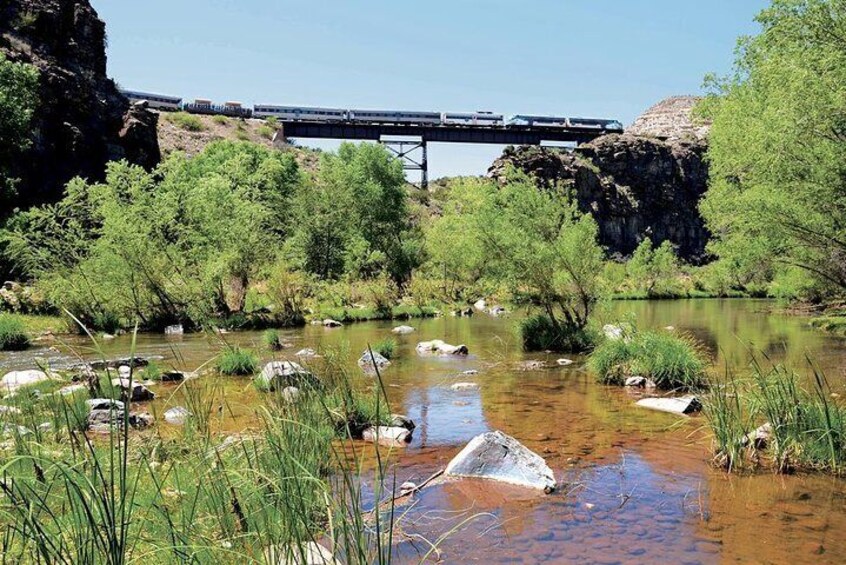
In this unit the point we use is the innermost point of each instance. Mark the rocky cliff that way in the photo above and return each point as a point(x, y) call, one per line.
point(82, 121)
point(636, 186)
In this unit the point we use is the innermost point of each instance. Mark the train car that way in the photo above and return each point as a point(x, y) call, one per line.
point(157, 101)
point(488, 119)
point(394, 117)
point(300, 114)
point(593, 123)
point(206, 106)
point(538, 121)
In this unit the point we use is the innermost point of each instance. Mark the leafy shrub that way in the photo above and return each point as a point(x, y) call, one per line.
point(385, 348)
point(13, 336)
point(237, 361)
point(287, 291)
point(186, 121)
point(541, 333)
point(266, 132)
point(672, 362)
point(220, 120)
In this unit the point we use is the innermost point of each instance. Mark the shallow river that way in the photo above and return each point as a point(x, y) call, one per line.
point(637, 486)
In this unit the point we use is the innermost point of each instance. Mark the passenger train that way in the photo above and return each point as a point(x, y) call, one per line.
point(341, 115)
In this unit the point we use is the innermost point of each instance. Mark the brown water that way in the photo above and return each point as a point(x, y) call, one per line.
point(636, 486)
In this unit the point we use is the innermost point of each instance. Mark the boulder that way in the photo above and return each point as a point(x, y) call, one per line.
point(277, 375)
point(441, 348)
point(175, 329)
point(761, 437)
point(17, 379)
point(124, 372)
point(499, 457)
point(387, 435)
point(104, 404)
point(400, 421)
point(460, 387)
point(330, 323)
point(403, 330)
point(113, 364)
point(564, 362)
point(682, 406)
point(639, 382)
point(141, 419)
point(407, 488)
point(368, 361)
point(177, 415)
point(309, 553)
point(496, 311)
point(138, 392)
point(171, 376)
point(480, 304)
point(306, 353)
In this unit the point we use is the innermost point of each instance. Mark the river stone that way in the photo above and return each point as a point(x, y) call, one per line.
point(500, 457)
point(330, 323)
point(175, 329)
point(104, 404)
point(496, 311)
point(480, 304)
point(639, 382)
point(309, 553)
point(402, 330)
point(760, 438)
point(387, 435)
point(124, 372)
point(564, 362)
point(115, 363)
point(367, 361)
point(441, 348)
point(171, 376)
point(177, 415)
point(401, 421)
point(305, 353)
point(531, 366)
point(139, 393)
point(684, 405)
point(16, 379)
point(464, 386)
point(280, 374)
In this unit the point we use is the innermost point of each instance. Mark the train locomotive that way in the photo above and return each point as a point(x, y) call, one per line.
point(341, 115)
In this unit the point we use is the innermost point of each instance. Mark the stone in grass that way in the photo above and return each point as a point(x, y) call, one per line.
point(402, 330)
point(306, 353)
point(377, 360)
point(177, 415)
point(281, 374)
point(308, 553)
point(17, 379)
point(499, 457)
point(387, 435)
point(682, 406)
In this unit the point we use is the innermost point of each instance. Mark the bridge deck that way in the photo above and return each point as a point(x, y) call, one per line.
point(507, 135)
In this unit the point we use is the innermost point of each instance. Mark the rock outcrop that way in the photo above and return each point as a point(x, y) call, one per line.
point(636, 186)
point(82, 121)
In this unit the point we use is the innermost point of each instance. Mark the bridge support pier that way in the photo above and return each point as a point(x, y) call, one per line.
point(413, 155)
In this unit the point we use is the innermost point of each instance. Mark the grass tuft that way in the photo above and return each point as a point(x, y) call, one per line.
point(237, 361)
point(13, 336)
point(540, 333)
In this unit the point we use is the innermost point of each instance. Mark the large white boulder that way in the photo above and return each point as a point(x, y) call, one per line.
point(17, 379)
point(439, 347)
point(682, 406)
point(480, 304)
point(387, 435)
point(402, 330)
point(177, 415)
point(500, 457)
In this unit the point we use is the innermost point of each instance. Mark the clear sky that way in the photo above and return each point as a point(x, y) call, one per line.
point(596, 58)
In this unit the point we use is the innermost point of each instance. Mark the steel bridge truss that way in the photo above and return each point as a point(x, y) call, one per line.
point(412, 153)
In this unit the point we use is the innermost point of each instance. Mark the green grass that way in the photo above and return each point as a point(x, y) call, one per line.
point(808, 424)
point(186, 121)
point(237, 361)
point(13, 334)
point(40, 324)
point(835, 324)
point(270, 339)
point(266, 132)
point(386, 348)
point(539, 333)
point(672, 362)
point(220, 120)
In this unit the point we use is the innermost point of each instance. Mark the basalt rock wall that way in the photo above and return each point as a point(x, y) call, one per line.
point(82, 120)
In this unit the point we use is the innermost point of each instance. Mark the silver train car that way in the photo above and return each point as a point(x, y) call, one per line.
point(593, 123)
point(300, 114)
point(488, 119)
point(562, 122)
point(157, 101)
point(394, 117)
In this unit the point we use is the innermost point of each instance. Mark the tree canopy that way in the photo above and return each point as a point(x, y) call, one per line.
point(18, 102)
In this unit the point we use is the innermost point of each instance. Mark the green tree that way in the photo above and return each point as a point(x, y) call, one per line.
point(777, 148)
point(18, 102)
point(653, 270)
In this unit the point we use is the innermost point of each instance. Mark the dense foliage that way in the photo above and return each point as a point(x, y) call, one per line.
point(13, 335)
point(778, 154)
point(18, 101)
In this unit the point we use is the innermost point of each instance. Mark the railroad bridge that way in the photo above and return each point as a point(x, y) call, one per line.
point(408, 141)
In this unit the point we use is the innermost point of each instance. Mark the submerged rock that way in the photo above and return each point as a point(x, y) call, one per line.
point(682, 406)
point(500, 457)
point(139, 392)
point(531, 366)
point(464, 386)
point(387, 435)
point(330, 323)
point(402, 330)
point(441, 348)
point(171, 376)
point(564, 362)
point(401, 421)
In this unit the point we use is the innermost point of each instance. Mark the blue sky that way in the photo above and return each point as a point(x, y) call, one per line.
point(597, 58)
